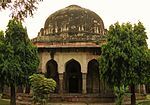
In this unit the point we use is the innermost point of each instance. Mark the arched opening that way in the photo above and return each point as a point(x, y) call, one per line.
point(52, 72)
point(73, 77)
point(93, 77)
point(147, 87)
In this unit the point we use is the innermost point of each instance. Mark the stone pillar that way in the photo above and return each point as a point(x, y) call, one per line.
point(139, 88)
point(84, 83)
point(60, 83)
point(142, 89)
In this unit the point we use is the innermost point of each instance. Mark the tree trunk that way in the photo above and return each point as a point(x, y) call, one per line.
point(133, 97)
point(1, 88)
point(20, 89)
point(13, 95)
point(27, 89)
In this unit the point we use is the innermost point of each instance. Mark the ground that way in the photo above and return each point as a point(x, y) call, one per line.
point(6, 102)
point(144, 103)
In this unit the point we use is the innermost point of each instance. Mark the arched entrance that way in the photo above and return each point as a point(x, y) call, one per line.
point(93, 77)
point(147, 87)
point(73, 77)
point(52, 72)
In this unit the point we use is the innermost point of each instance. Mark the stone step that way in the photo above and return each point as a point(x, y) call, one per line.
point(80, 104)
point(23, 103)
point(27, 103)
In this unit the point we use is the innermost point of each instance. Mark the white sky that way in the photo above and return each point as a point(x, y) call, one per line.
point(110, 11)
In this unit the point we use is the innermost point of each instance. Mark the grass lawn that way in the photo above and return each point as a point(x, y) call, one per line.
point(144, 103)
point(4, 102)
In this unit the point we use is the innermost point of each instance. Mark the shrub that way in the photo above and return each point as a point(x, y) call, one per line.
point(41, 87)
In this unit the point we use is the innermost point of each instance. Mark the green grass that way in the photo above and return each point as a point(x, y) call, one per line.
point(144, 103)
point(4, 102)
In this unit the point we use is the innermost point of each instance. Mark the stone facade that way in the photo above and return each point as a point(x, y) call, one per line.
point(63, 57)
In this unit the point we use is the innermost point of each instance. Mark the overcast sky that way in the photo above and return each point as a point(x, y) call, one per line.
point(110, 11)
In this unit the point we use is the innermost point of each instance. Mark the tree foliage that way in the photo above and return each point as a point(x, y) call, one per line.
point(20, 9)
point(20, 57)
point(125, 58)
point(1, 58)
point(120, 92)
point(41, 87)
point(22, 50)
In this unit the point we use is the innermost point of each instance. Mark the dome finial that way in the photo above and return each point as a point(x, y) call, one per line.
point(73, 6)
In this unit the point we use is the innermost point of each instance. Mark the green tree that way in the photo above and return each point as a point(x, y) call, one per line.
point(1, 58)
point(125, 58)
point(120, 92)
point(20, 9)
point(41, 87)
point(20, 57)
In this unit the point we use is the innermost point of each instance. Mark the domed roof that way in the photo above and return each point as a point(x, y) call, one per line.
point(72, 24)
point(73, 20)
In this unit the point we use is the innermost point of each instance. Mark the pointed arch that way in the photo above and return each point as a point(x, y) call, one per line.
point(52, 72)
point(73, 77)
point(93, 77)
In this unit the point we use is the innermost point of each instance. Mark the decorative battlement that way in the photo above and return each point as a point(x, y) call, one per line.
point(68, 38)
point(73, 30)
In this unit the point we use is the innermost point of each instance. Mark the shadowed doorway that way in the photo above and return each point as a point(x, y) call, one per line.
point(52, 72)
point(73, 77)
point(93, 77)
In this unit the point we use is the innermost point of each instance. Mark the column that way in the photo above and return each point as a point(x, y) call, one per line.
point(84, 83)
point(60, 83)
point(142, 89)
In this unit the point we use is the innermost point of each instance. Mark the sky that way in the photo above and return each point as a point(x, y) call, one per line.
point(111, 11)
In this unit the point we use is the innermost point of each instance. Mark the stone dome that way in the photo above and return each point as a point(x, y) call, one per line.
point(72, 24)
point(73, 20)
